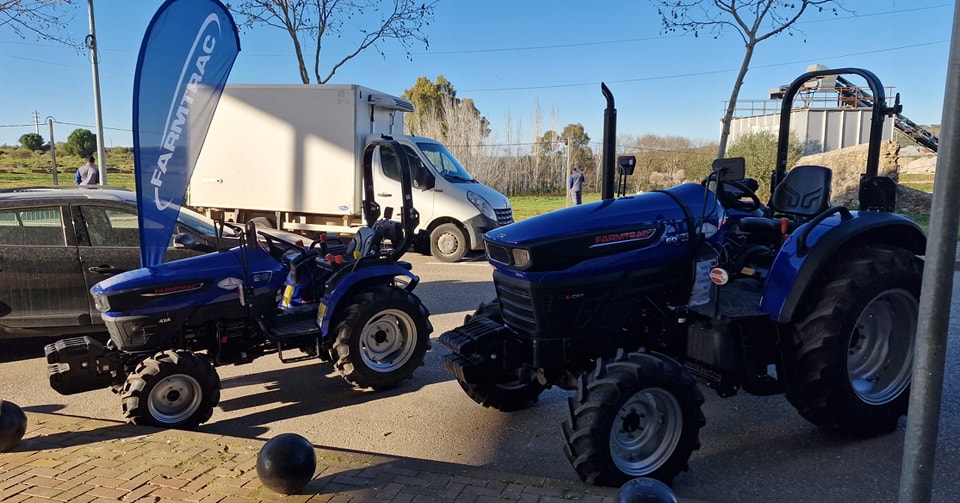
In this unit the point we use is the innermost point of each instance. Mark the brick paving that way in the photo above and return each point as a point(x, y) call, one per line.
point(76, 459)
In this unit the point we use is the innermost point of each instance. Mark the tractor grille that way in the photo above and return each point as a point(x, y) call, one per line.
point(504, 216)
point(516, 305)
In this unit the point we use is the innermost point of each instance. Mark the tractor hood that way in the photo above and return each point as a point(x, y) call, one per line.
point(662, 220)
point(195, 280)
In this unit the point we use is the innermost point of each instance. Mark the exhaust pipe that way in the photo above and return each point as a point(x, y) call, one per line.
point(609, 149)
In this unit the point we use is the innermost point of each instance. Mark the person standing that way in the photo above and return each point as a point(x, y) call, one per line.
point(576, 185)
point(88, 174)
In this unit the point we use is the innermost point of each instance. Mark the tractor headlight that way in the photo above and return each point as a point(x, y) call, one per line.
point(482, 205)
point(521, 258)
point(101, 302)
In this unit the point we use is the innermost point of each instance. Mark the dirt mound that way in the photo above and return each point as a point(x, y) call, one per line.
point(847, 165)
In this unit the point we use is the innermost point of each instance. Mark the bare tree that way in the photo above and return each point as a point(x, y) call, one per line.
point(315, 21)
point(754, 20)
point(40, 18)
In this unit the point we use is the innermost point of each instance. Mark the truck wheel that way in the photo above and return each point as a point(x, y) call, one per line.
point(382, 338)
point(850, 356)
point(506, 396)
point(447, 243)
point(174, 389)
point(636, 415)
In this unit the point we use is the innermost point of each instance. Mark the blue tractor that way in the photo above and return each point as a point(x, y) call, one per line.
point(170, 325)
point(630, 301)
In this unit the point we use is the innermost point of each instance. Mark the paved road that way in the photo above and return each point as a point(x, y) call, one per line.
point(754, 448)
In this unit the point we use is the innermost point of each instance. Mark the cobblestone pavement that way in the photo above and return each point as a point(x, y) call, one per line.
point(76, 459)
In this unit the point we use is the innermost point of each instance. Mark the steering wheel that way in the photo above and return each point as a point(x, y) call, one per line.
point(734, 201)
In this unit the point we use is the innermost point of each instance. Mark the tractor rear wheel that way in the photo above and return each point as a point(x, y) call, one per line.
point(173, 389)
point(850, 356)
point(635, 415)
point(381, 338)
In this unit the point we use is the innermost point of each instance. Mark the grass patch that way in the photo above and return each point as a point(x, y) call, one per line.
point(24, 178)
point(530, 206)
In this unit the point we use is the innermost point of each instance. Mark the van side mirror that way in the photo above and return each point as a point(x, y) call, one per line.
point(423, 179)
point(626, 164)
point(730, 168)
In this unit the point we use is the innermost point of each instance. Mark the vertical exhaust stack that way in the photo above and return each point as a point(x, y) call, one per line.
point(609, 151)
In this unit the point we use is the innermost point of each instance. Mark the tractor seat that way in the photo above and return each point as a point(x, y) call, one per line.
point(803, 194)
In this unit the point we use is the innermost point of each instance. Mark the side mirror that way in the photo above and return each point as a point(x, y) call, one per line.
point(626, 164)
point(188, 242)
point(184, 240)
point(423, 179)
point(731, 168)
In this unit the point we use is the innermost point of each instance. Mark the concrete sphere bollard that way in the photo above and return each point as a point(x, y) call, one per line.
point(13, 424)
point(645, 490)
point(286, 463)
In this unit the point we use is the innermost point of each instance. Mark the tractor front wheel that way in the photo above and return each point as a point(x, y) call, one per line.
point(510, 393)
point(635, 415)
point(173, 389)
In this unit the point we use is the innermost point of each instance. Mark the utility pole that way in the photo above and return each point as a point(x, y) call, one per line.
point(53, 152)
point(566, 186)
point(36, 120)
point(94, 57)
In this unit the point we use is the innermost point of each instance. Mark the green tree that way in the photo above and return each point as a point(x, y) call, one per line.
point(31, 141)
point(317, 21)
point(754, 20)
point(81, 142)
point(759, 149)
point(439, 113)
point(578, 143)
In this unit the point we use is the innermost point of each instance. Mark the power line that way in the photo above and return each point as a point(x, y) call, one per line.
point(700, 74)
point(647, 39)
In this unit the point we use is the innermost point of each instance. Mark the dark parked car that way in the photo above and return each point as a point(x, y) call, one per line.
point(56, 243)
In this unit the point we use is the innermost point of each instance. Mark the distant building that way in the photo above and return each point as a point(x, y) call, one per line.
point(828, 114)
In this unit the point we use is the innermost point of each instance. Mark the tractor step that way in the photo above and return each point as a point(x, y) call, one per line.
point(294, 328)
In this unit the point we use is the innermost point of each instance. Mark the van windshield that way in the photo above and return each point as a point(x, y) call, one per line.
point(446, 164)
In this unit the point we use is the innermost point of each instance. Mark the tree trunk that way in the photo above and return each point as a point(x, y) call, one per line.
point(732, 105)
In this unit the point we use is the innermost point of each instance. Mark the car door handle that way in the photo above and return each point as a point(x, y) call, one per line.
point(106, 269)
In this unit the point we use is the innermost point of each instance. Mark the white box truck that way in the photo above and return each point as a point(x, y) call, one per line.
point(289, 156)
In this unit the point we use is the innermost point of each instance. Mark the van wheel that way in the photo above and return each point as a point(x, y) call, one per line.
point(447, 243)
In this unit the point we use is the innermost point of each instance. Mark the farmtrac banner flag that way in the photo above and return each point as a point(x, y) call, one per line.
point(185, 58)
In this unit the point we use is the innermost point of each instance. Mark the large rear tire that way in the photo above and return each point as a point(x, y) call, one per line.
point(850, 356)
point(173, 389)
point(518, 392)
point(382, 338)
point(635, 415)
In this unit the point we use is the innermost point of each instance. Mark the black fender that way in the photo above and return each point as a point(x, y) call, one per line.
point(799, 261)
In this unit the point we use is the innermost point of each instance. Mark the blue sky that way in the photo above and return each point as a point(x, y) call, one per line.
point(510, 57)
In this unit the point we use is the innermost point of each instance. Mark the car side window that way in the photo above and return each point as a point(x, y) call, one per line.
point(31, 227)
point(110, 226)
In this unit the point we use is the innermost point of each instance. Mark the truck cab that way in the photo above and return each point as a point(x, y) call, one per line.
point(455, 209)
